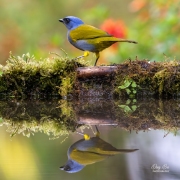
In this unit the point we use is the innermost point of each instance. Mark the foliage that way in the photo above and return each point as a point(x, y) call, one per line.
point(129, 86)
point(153, 24)
point(156, 29)
point(129, 107)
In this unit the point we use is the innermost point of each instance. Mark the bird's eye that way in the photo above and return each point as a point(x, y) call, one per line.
point(66, 20)
point(67, 168)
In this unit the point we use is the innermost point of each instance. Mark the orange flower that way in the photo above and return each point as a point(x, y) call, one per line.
point(137, 5)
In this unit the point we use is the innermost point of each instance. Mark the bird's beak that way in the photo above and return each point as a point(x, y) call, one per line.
point(61, 20)
point(62, 167)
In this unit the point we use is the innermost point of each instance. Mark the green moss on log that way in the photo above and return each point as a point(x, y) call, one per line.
point(54, 118)
point(160, 79)
point(25, 76)
point(57, 118)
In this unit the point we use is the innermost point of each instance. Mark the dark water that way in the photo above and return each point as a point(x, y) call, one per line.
point(40, 156)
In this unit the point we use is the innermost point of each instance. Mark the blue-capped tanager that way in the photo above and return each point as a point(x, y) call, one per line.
point(88, 151)
point(88, 38)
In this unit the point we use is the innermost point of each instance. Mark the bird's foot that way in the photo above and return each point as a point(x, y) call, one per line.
point(97, 57)
point(97, 132)
point(86, 136)
point(86, 53)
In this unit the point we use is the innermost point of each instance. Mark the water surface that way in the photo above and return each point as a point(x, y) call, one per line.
point(40, 156)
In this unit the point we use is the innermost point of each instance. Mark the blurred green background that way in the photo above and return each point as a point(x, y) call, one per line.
point(32, 26)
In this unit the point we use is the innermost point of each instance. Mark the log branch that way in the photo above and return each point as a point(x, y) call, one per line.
point(87, 72)
point(68, 78)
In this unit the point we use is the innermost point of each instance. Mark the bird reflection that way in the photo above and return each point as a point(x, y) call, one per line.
point(88, 151)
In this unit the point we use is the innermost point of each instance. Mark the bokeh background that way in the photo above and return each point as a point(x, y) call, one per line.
point(32, 26)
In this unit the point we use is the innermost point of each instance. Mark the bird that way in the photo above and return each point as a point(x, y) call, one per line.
point(89, 38)
point(89, 150)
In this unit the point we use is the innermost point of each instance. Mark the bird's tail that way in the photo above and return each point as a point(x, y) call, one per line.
point(115, 39)
point(117, 151)
point(126, 40)
point(126, 150)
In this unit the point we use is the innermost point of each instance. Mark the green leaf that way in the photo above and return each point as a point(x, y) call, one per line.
point(125, 108)
point(126, 84)
point(1, 119)
point(134, 84)
point(128, 101)
point(134, 107)
point(131, 96)
point(128, 91)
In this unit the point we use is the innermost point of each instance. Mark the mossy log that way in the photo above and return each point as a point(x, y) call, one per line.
point(62, 117)
point(26, 77)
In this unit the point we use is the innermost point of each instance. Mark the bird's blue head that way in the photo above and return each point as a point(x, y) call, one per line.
point(71, 22)
point(72, 166)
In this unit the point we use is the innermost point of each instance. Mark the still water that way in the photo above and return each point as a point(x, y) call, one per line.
point(31, 151)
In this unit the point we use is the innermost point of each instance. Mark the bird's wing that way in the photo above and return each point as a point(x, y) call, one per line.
point(86, 157)
point(84, 32)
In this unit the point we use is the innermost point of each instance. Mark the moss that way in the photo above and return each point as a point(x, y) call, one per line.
point(29, 117)
point(59, 118)
point(151, 78)
point(26, 76)
point(131, 114)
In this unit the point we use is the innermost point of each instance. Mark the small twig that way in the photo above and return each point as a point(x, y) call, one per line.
point(55, 54)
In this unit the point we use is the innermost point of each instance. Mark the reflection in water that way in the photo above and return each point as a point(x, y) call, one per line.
point(88, 151)
point(34, 156)
point(61, 117)
point(17, 156)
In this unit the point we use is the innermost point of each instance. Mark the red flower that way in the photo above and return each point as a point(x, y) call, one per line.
point(116, 28)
